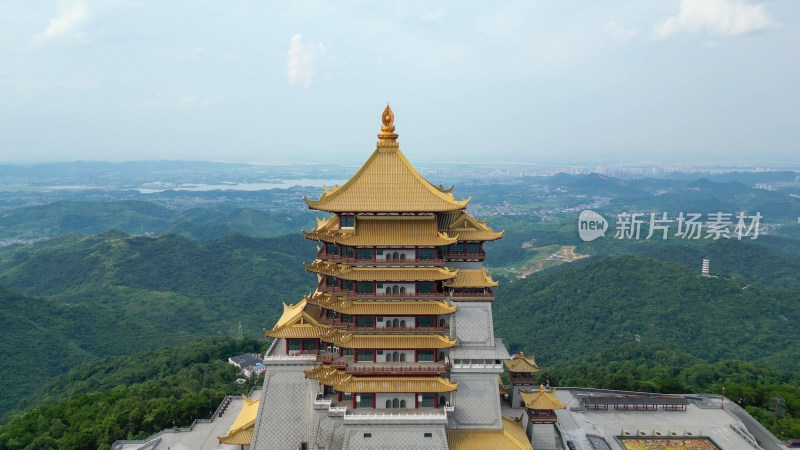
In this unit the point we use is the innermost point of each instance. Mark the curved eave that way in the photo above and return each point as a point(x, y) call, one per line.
point(359, 385)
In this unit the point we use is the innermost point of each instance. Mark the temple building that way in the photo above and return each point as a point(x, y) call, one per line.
point(521, 370)
point(395, 348)
point(541, 406)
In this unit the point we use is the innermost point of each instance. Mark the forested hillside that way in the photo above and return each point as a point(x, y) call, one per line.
point(584, 309)
point(114, 294)
point(130, 397)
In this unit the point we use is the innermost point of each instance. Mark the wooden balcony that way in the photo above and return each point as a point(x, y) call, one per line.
point(380, 261)
point(416, 368)
point(480, 256)
point(379, 295)
point(353, 328)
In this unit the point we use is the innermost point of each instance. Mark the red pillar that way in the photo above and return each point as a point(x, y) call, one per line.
point(434, 355)
point(416, 400)
point(435, 400)
point(354, 400)
point(374, 356)
point(374, 396)
point(355, 355)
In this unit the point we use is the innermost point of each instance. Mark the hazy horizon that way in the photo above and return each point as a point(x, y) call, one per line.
point(522, 82)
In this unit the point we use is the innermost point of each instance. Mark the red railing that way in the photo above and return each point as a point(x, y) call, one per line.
point(472, 294)
point(341, 259)
point(351, 327)
point(352, 294)
point(397, 369)
point(462, 255)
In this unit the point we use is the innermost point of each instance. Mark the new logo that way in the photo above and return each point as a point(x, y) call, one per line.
point(591, 225)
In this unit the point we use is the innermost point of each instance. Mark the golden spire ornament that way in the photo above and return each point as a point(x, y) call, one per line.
point(387, 137)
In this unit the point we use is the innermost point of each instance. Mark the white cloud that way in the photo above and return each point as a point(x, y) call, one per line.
point(303, 56)
point(72, 15)
point(432, 16)
point(619, 32)
point(717, 17)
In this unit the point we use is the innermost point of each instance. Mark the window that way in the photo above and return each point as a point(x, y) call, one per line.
point(331, 281)
point(402, 256)
point(364, 322)
point(425, 355)
point(388, 357)
point(388, 403)
point(294, 344)
point(347, 351)
point(348, 221)
point(426, 322)
point(388, 290)
point(347, 396)
point(380, 352)
point(364, 254)
point(364, 288)
point(347, 285)
point(395, 289)
point(473, 248)
point(395, 323)
point(425, 254)
point(396, 356)
point(395, 255)
point(426, 400)
point(402, 289)
point(426, 288)
point(402, 357)
point(348, 252)
point(402, 403)
point(395, 403)
point(310, 344)
point(380, 252)
point(402, 324)
point(332, 248)
point(364, 355)
point(367, 435)
point(380, 319)
point(365, 401)
point(427, 434)
point(442, 401)
point(441, 323)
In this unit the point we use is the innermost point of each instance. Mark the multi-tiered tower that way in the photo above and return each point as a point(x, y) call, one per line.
point(397, 339)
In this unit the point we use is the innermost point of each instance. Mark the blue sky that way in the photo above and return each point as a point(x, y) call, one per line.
point(528, 81)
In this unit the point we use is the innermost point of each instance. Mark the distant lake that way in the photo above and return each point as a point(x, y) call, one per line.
point(283, 184)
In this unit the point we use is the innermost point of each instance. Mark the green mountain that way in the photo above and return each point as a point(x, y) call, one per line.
point(129, 397)
point(582, 309)
point(42, 337)
point(114, 294)
point(139, 217)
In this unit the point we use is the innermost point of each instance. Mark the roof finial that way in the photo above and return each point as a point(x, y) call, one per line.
point(387, 137)
point(521, 354)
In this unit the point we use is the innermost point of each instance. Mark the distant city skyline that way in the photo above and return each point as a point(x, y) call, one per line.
point(681, 81)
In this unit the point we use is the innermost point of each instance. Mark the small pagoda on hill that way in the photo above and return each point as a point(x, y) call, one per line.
point(521, 370)
point(541, 406)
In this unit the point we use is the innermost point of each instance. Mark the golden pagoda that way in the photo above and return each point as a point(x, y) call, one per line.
point(382, 264)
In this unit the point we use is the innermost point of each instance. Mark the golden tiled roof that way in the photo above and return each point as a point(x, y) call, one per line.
point(346, 272)
point(380, 308)
point(378, 231)
point(395, 384)
point(522, 364)
point(241, 431)
point(466, 227)
point(511, 437)
point(386, 341)
point(326, 375)
point(471, 278)
point(298, 321)
point(541, 399)
point(387, 183)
